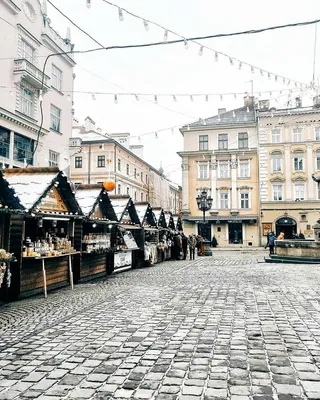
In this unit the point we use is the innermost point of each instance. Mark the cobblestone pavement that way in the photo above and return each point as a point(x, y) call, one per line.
point(221, 327)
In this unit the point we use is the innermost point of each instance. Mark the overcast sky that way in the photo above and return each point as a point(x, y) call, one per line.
point(172, 69)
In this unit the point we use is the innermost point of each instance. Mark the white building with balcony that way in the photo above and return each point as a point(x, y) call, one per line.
point(26, 40)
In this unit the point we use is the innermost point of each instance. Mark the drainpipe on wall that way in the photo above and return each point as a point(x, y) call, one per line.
point(89, 164)
point(259, 183)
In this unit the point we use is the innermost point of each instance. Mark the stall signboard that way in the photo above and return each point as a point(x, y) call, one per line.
point(53, 202)
point(123, 259)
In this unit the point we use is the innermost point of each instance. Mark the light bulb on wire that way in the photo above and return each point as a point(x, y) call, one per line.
point(156, 99)
point(120, 14)
point(116, 99)
point(93, 96)
point(165, 36)
point(174, 98)
point(137, 97)
point(207, 97)
point(191, 97)
point(216, 56)
point(201, 51)
point(146, 25)
point(240, 65)
point(88, 3)
point(186, 44)
point(252, 70)
point(231, 61)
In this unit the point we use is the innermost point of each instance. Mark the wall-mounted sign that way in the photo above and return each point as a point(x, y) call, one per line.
point(266, 228)
point(53, 202)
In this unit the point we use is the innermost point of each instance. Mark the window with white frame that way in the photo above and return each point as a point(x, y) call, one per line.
point(276, 162)
point(275, 136)
point(53, 159)
point(223, 141)
point(297, 135)
point(27, 51)
point(26, 101)
point(56, 80)
point(298, 163)
point(318, 161)
point(55, 114)
point(224, 200)
point(223, 170)
point(299, 191)
point(244, 200)
point(128, 191)
point(277, 192)
point(203, 170)
point(317, 133)
point(244, 169)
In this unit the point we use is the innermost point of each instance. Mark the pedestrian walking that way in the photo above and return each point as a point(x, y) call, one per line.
point(184, 246)
point(270, 244)
point(192, 242)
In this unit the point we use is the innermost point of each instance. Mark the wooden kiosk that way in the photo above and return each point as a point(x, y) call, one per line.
point(98, 232)
point(44, 230)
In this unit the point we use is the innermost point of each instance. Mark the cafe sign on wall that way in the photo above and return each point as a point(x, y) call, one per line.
point(53, 202)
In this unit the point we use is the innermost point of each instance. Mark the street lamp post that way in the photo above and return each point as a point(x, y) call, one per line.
point(204, 203)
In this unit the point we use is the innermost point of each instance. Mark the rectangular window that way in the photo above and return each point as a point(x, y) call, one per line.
point(243, 142)
point(78, 162)
point(101, 162)
point(141, 196)
point(55, 114)
point(318, 191)
point(244, 171)
point(4, 142)
point(23, 149)
point(297, 135)
point(317, 133)
point(119, 164)
point(277, 192)
point(119, 188)
point(203, 142)
point(298, 164)
point(142, 176)
point(146, 178)
point(224, 201)
point(135, 196)
point(128, 191)
point(26, 102)
point(276, 164)
point(275, 136)
point(223, 170)
point(203, 172)
point(128, 169)
point(318, 163)
point(223, 141)
point(299, 191)
point(27, 51)
point(53, 159)
point(135, 172)
point(56, 80)
point(244, 200)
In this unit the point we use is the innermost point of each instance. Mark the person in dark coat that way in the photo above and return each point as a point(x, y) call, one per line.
point(184, 246)
point(270, 244)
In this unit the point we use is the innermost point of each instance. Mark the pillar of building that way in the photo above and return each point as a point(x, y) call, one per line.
point(11, 149)
point(213, 168)
point(288, 168)
point(185, 186)
point(310, 183)
point(234, 193)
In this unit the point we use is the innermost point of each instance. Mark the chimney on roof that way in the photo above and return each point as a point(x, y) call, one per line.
point(221, 111)
point(298, 102)
point(89, 124)
point(248, 100)
point(264, 105)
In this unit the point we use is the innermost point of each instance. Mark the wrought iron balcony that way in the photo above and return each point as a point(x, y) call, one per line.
point(32, 74)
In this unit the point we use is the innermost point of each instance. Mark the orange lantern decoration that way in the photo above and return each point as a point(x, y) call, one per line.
point(109, 185)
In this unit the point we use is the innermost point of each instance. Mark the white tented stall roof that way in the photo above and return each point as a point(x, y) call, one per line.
point(86, 198)
point(29, 187)
point(119, 204)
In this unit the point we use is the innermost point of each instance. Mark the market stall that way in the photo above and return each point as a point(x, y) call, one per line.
point(45, 235)
point(167, 237)
point(162, 227)
point(129, 235)
point(151, 233)
point(98, 231)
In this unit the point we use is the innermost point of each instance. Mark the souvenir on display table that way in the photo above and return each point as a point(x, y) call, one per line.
point(44, 231)
point(98, 230)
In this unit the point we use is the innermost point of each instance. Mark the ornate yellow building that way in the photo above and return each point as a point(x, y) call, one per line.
point(289, 152)
point(220, 154)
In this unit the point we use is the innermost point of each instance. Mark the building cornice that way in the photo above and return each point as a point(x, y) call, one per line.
point(11, 6)
point(57, 49)
point(195, 153)
point(21, 121)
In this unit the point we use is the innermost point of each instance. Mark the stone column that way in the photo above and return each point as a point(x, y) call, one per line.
point(288, 168)
point(213, 168)
point(234, 192)
point(310, 163)
point(185, 186)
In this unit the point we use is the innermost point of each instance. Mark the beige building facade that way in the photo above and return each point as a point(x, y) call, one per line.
point(96, 157)
point(27, 38)
point(220, 154)
point(289, 152)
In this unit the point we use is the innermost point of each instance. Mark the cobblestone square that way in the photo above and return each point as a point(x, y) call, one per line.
point(223, 327)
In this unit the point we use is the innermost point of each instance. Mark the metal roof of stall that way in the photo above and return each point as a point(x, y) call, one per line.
point(31, 186)
point(93, 198)
point(161, 220)
point(169, 220)
point(125, 210)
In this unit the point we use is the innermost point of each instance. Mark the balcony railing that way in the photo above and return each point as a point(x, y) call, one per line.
point(31, 74)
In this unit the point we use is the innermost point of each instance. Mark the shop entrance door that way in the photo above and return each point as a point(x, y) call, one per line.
point(288, 226)
point(204, 230)
point(235, 233)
